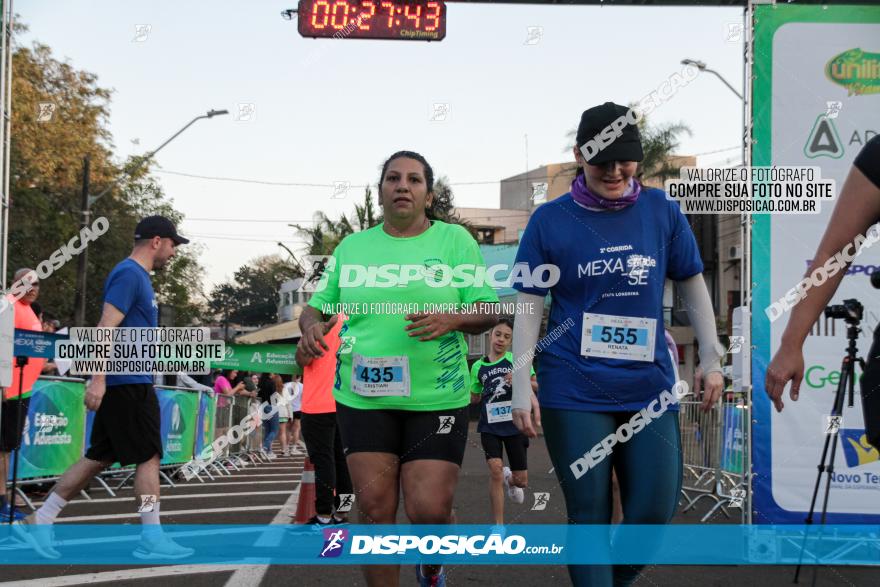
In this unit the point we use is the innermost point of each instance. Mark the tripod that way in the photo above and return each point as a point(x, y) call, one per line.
point(846, 385)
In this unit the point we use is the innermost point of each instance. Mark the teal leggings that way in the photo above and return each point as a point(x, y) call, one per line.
point(648, 468)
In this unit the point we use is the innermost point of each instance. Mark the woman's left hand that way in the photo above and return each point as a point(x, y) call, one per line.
point(430, 326)
point(713, 385)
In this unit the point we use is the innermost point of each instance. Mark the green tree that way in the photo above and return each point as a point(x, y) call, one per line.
point(251, 298)
point(59, 116)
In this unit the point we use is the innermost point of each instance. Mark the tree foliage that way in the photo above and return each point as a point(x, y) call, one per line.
point(59, 116)
point(251, 298)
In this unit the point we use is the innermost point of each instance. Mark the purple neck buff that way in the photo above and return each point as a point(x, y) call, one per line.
point(583, 196)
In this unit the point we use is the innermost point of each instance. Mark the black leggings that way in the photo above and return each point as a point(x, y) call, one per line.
point(321, 435)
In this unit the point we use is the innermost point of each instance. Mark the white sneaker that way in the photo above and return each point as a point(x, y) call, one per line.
point(160, 547)
point(286, 453)
point(37, 536)
point(516, 494)
point(271, 456)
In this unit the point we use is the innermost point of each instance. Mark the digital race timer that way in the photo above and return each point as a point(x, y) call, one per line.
point(414, 20)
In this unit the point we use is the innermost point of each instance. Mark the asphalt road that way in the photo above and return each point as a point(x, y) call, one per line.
point(261, 494)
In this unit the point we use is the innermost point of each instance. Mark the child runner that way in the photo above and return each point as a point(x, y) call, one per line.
point(491, 387)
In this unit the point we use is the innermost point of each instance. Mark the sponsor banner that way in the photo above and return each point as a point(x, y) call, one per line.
point(815, 103)
point(33, 343)
point(537, 544)
point(205, 427)
point(260, 358)
point(54, 429)
point(733, 438)
point(179, 411)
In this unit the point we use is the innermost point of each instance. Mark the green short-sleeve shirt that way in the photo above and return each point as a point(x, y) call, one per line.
point(379, 279)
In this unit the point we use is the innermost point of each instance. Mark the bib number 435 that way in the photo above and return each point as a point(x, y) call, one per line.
point(376, 374)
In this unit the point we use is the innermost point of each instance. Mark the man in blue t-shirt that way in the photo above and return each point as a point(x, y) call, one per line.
point(126, 427)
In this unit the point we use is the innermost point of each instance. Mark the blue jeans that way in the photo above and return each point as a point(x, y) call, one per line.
point(270, 430)
point(648, 468)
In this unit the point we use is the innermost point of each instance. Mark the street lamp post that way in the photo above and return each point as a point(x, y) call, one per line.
point(87, 201)
point(702, 67)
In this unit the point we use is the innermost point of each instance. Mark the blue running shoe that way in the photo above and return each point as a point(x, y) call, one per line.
point(438, 580)
point(6, 510)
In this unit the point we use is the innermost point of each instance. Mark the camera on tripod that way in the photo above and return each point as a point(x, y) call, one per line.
point(850, 310)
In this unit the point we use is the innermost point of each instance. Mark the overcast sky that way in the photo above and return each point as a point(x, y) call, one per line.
point(327, 111)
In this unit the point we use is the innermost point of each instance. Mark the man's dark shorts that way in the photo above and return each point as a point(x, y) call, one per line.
point(10, 431)
point(127, 427)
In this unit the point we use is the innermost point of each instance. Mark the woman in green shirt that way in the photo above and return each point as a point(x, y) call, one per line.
point(410, 286)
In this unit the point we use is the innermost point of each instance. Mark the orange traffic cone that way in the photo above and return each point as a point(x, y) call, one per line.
point(305, 505)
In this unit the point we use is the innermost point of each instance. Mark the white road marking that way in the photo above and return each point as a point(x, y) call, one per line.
point(250, 508)
point(250, 575)
point(122, 575)
point(181, 496)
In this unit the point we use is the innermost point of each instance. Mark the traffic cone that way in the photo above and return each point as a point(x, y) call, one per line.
point(305, 505)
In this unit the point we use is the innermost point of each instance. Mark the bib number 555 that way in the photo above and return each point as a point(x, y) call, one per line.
point(618, 335)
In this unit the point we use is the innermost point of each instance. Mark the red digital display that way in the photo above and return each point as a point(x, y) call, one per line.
point(416, 20)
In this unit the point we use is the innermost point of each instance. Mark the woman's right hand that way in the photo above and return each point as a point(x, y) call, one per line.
point(787, 365)
point(522, 419)
point(313, 337)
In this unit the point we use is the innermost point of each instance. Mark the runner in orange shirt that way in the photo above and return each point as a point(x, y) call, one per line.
point(321, 432)
point(11, 427)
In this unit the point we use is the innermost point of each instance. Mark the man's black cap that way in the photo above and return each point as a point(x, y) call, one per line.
point(153, 226)
point(625, 147)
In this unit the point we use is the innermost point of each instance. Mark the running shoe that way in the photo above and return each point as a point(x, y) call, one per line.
point(6, 511)
point(271, 456)
point(516, 494)
point(498, 529)
point(37, 536)
point(438, 580)
point(160, 547)
point(313, 525)
point(286, 453)
point(338, 521)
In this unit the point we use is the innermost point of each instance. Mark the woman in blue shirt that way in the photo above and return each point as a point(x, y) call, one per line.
point(608, 394)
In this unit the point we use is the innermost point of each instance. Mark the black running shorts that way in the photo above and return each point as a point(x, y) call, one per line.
point(127, 427)
point(409, 434)
point(10, 431)
point(515, 446)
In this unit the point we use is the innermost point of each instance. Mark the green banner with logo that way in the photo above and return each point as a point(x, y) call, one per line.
point(207, 415)
point(54, 429)
point(179, 411)
point(260, 358)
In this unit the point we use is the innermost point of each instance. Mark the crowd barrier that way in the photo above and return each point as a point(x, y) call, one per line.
point(714, 444)
point(58, 425)
point(716, 455)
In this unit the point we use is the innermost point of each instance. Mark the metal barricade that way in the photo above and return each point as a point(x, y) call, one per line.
point(715, 454)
